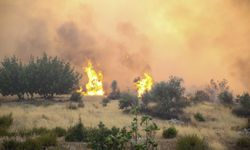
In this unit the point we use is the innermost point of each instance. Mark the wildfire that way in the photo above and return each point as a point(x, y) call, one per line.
point(144, 84)
point(94, 85)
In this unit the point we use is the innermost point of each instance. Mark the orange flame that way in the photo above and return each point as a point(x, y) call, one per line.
point(95, 82)
point(144, 85)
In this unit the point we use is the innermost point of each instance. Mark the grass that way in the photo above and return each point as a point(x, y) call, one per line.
point(218, 128)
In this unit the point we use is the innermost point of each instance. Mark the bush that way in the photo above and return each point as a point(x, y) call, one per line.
point(47, 140)
point(105, 101)
point(30, 144)
point(191, 142)
point(170, 132)
point(6, 121)
point(75, 97)
point(243, 143)
point(73, 106)
point(127, 101)
point(81, 104)
point(115, 93)
point(3, 132)
point(226, 97)
point(59, 132)
point(77, 133)
point(10, 145)
point(199, 117)
point(168, 97)
point(200, 96)
point(242, 112)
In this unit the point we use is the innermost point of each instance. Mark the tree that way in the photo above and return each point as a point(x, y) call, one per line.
point(127, 100)
point(55, 77)
point(115, 93)
point(168, 96)
point(226, 97)
point(12, 77)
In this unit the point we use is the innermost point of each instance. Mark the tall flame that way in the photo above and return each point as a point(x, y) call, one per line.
point(144, 85)
point(94, 85)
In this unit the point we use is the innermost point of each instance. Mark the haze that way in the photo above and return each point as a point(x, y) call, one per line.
point(196, 40)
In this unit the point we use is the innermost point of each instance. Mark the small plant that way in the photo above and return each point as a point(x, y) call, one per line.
point(3, 132)
point(105, 101)
point(191, 142)
point(199, 117)
point(81, 104)
point(59, 132)
point(73, 106)
point(47, 140)
point(77, 133)
point(6, 121)
point(226, 97)
point(243, 143)
point(30, 144)
point(10, 145)
point(170, 132)
point(75, 97)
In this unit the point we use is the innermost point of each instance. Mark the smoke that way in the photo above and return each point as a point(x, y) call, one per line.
point(197, 40)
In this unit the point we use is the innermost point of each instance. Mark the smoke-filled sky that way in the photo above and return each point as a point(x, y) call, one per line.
point(196, 40)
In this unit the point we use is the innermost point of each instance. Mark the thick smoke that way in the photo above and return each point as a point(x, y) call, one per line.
point(194, 39)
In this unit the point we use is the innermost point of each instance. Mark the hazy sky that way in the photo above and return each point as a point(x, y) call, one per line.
point(196, 40)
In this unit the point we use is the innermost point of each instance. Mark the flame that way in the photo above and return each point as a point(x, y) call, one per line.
point(144, 85)
point(94, 85)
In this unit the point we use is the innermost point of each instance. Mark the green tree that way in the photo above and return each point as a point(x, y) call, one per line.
point(12, 77)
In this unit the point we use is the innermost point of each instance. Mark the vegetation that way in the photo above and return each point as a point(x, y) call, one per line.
point(243, 143)
point(199, 117)
point(169, 99)
point(127, 101)
point(75, 97)
point(200, 96)
point(244, 109)
point(77, 133)
point(45, 76)
point(170, 132)
point(226, 97)
point(6, 121)
point(115, 93)
point(105, 101)
point(191, 142)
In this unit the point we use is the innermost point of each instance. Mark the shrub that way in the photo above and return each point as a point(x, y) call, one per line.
point(168, 97)
point(105, 101)
point(75, 97)
point(77, 133)
point(6, 121)
point(200, 96)
point(81, 104)
point(242, 112)
point(3, 132)
point(59, 132)
point(226, 97)
point(115, 93)
point(10, 145)
point(170, 132)
point(127, 101)
point(199, 117)
point(191, 142)
point(243, 143)
point(73, 106)
point(47, 140)
point(30, 144)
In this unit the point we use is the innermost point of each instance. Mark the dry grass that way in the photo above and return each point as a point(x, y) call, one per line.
point(218, 128)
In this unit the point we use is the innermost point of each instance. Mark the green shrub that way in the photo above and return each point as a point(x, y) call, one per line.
point(75, 97)
point(242, 111)
point(3, 132)
point(105, 101)
point(200, 96)
point(10, 145)
point(226, 97)
point(127, 101)
point(243, 143)
point(77, 133)
point(191, 142)
point(199, 117)
point(47, 140)
point(30, 144)
point(170, 132)
point(6, 121)
point(59, 132)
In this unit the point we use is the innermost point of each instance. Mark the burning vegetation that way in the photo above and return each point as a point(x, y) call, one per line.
point(95, 82)
point(143, 85)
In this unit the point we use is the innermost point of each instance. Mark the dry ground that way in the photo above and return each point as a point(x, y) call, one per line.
point(220, 129)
